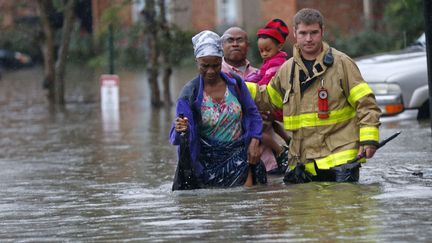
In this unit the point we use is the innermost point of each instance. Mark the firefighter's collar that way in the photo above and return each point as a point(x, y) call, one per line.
point(319, 67)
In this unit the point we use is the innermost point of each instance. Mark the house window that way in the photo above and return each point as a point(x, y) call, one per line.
point(228, 13)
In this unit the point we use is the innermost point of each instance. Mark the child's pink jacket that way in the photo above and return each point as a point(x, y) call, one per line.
point(266, 73)
point(268, 69)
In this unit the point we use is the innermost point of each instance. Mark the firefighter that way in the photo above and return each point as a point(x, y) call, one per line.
point(328, 108)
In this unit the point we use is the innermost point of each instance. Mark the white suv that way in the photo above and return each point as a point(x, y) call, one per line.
point(399, 80)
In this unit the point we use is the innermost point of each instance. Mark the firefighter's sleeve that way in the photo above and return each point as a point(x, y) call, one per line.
point(362, 98)
point(275, 92)
point(259, 96)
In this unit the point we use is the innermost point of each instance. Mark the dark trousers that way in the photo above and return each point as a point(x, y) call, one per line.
point(347, 175)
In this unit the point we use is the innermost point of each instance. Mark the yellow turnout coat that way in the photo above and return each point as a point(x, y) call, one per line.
point(353, 113)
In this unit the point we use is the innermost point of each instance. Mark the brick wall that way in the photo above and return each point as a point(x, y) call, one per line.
point(282, 9)
point(11, 12)
point(7, 10)
point(203, 14)
point(347, 16)
point(182, 14)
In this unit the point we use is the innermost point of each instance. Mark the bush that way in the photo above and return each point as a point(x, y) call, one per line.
point(402, 24)
point(80, 47)
point(129, 46)
point(23, 38)
point(405, 19)
point(130, 50)
point(363, 43)
point(181, 49)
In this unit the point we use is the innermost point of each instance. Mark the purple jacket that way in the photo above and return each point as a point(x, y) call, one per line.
point(251, 121)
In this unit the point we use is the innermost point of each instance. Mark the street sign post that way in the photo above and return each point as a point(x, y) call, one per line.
point(109, 86)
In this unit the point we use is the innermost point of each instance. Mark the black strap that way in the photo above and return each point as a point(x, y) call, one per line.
point(292, 75)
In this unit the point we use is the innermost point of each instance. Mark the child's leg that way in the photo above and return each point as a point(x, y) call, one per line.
point(279, 130)
point(268, 140)
point(280, 152)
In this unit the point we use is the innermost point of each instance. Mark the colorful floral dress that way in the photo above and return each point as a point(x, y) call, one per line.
point(223, 150)
point(221, 120)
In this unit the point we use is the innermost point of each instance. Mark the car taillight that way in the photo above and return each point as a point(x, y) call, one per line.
point(390, 104)
point(393, 108)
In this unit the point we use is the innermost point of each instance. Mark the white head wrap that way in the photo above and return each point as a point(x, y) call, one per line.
point(207, 43)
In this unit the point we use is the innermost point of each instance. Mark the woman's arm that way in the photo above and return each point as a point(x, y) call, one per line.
point(254, 123)
point(251, 112)
point(183, 107)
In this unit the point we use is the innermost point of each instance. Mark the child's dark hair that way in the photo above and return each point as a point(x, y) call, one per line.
point(265, 36)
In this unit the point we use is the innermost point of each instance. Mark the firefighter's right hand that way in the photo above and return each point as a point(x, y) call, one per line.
point(181, 124)
point(367, 151)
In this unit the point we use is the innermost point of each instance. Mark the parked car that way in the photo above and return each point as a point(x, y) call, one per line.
point(14, 59)
point(399, 80)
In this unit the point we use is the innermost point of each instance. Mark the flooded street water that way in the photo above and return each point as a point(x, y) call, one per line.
point(72, 175)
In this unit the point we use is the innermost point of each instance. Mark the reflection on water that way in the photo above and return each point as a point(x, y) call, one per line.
point(66, 178)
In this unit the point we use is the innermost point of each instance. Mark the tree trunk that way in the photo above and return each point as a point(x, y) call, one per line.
point(60, 66)
point(47, 46)
point(166, 82)
point(166, 52)
point(153, 51)
point(55, 68)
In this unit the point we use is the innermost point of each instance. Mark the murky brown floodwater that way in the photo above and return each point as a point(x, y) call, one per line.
point(75, 176)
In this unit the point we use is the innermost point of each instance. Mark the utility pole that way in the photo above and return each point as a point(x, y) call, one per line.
point(427, 8)
point(111, 49)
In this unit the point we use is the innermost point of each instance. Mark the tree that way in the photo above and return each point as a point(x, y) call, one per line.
point(151, 36)
point(158, 37)
point(402, 24)
point(55, 57)
point(166, 40)
point(405, 16)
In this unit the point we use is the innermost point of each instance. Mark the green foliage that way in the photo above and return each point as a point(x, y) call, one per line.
point(24, 38)
point(364, 42)
point(405, 18)
point(180, 46)
point(131, 51)
point(129, 46)
point(110, 16)
point(80, 47)
point(403, 23)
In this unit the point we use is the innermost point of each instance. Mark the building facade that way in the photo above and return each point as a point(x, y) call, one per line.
point(195, 15)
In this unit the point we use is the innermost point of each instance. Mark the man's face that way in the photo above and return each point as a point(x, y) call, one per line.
point(235, 46)
point(309, 39)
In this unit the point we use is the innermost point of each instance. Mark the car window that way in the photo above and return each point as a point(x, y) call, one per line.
point(421, 40)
